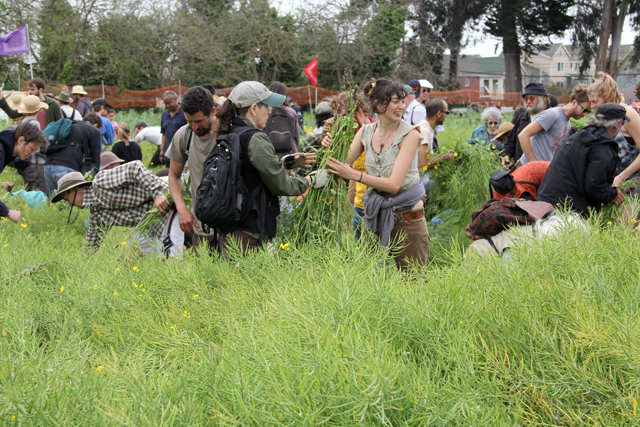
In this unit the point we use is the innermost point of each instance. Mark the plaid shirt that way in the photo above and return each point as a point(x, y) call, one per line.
point(121, 197)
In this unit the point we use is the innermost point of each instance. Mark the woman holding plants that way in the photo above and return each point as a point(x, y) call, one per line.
point(603, 90)
point(393, 203)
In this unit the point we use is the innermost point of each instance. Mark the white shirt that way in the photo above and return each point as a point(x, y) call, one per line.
point(415, 113)
point(68, 111)
point(150, 134)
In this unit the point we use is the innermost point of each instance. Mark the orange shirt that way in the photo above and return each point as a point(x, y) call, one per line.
point(530, 172)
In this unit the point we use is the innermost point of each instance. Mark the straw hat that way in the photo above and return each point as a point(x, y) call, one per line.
point(504, 128)
point(31, 104)
point(78, 90)
point(15, 100)
point(67, 182)
point(107, 159)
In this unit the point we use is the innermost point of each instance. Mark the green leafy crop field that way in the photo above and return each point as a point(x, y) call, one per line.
point(320, 334)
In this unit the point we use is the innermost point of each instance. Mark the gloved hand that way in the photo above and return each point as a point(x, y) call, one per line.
point(320, 178)
point(294, 161)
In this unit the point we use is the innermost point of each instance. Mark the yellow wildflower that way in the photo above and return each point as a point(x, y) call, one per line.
point(173, 327)
point(455, 154)
point(608, 222)
point(284, 246)
point(61, 288)
point(100, 368)
point(95, 286)
point(6, 245)
point(123, 243)
point(196, 296)
point(115, 292)
point(185, 314)
point(23, 225)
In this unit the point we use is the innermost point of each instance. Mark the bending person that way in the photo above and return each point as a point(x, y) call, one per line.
point(393, 202)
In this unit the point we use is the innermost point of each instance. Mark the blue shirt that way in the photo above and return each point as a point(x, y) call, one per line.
point(481, 136)
point(170, 125)
point(107, 132)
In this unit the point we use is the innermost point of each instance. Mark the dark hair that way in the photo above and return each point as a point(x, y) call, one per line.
point(226, 112)
point(94, 119)
point(280, 88)
point(368, 86)
point(434, 105)
point(553, 101)
point(140, 125)
point(209, 87)
point(580, 93)
point(37, 82)
point(31, 133)
point(197, 99)
point(321, 118)
point(111, 110)
point(382, 92)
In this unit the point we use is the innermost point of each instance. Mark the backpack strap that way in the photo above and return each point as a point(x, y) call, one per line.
point(189, 135)
point(64, 115)
point(528, 183)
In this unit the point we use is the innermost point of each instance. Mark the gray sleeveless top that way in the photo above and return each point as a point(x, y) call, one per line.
point(381, 165)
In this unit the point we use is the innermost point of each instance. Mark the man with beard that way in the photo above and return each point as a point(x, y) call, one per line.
point(191, 144)
point(535, 99)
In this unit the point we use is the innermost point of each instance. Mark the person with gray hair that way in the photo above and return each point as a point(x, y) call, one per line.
point(483, 134)
point(583, 168)
point(172, 119)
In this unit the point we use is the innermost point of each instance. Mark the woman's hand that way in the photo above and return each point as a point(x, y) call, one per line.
point(326, 141)
point(617, 181)
point(343, 170)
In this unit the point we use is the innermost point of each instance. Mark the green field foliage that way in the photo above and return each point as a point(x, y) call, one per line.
point(326, 334)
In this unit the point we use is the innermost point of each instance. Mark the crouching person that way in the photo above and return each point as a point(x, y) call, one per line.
point(121, 197)
point(579, 178)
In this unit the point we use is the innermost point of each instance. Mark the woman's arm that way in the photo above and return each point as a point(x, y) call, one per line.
point(633, 129)
point(408, 148)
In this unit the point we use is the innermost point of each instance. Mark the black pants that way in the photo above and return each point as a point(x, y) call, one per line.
point(155, 160)
point(33, 176)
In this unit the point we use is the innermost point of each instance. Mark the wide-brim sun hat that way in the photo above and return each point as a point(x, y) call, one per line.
point(67, 182)
point(64, 97)
point(78, 90)
point(504, 128)
point(31, 104)
point(323, 108)
point(15, 100)
point(107, 159)
point(248, 93)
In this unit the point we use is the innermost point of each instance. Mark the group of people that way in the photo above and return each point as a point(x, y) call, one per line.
point(388, 167)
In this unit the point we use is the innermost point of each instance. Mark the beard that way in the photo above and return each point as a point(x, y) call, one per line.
point(202, 131)
point(537, 107)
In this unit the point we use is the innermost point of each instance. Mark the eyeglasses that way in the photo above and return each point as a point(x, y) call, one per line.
point(584, 110)
point(532, 98)
point(446, 112)
point(33, 150)
point(492, 124)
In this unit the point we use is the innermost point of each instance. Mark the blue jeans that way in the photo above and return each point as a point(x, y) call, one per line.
point(52, 173)
point(357, 222)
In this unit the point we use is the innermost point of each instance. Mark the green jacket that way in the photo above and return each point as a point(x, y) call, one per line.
point(53, 113)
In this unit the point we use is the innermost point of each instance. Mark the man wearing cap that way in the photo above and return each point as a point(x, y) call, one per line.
point(81, 153)
point(67, 111)
point(101, 108)
point(83, 105)
point(121, 197)
point(172, 119)
point(248, 106)
point(18, 142)
point(552, 127)
point(535, 99)
point(416, 111)
point(583, 168)
point(199, 110)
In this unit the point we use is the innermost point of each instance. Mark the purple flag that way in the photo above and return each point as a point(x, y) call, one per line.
point(15, 42)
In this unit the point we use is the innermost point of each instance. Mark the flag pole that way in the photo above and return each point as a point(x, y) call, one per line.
point(309, 90)
point(30, 61)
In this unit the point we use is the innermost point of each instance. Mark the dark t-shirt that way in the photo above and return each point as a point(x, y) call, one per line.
point(170, 125)
point(128, 154)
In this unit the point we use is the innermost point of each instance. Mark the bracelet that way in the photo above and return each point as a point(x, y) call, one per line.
point(361, 175)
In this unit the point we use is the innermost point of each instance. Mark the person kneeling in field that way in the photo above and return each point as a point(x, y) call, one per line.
point(121, 197)
point(20, 142)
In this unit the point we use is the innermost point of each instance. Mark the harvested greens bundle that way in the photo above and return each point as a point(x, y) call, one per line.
point(325, 213)
point(154, 214)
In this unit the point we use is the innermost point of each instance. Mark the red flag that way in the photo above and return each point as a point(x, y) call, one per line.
point(311, 71)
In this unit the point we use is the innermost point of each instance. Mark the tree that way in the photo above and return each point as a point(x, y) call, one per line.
point(524, 27)
point(597, 29)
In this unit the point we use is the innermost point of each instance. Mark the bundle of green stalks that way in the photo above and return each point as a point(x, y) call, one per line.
point(325, 213)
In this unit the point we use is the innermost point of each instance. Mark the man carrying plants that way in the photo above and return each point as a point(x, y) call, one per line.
point(19, 142)
point(122, 196)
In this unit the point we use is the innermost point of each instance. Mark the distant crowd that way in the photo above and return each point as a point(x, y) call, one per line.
point(225, 167)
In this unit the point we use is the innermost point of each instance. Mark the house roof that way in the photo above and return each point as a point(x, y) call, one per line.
point(475, 65)
point(549, 53)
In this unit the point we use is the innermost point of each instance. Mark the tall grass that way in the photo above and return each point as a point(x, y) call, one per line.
point(315, 335)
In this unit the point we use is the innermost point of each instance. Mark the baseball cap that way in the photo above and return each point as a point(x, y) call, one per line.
point(101, 101)
point(248, 93)
point(415, 86)
point(612, 111)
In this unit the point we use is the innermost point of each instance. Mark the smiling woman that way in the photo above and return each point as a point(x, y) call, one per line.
point(393, 202)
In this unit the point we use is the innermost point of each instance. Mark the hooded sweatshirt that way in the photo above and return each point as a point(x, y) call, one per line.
point(582, 171)
point(7, 143)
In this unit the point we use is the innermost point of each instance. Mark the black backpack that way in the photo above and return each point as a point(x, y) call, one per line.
point(503, 183)
point(278, 128)
point(223, 200)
